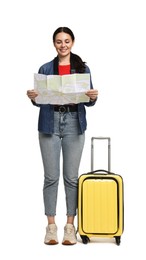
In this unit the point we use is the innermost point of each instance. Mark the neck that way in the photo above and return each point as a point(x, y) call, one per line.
point(64, 60)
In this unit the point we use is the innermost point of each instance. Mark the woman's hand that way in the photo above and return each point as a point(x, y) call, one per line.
point(92, 94)
point(32, 94)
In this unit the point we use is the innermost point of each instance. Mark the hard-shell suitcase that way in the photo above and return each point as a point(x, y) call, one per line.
point(100, 202)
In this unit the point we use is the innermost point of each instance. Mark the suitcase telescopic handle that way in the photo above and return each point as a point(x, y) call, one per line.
point(109, 153)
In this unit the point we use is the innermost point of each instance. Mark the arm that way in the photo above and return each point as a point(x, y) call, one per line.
point(32, 94)
point(46, 69)
point(92, 93)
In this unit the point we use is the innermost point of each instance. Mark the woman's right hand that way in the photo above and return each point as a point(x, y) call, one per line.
point(32, 94)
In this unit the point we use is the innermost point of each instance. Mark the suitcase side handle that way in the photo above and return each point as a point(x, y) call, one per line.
point(109, 151)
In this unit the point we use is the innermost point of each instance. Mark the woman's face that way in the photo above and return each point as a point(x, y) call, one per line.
point(63, 44)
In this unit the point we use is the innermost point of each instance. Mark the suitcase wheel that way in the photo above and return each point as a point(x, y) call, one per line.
point(85, 239)
point(118, 240)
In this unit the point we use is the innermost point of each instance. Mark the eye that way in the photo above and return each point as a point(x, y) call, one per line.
point(58, 42)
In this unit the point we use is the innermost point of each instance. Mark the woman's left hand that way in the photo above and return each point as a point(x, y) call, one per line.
point(92, 94)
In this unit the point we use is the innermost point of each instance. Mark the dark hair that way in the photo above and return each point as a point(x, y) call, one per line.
point(65, 30)
point(76, 61)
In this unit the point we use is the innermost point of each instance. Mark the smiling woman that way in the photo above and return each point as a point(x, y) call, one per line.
point(62, 127)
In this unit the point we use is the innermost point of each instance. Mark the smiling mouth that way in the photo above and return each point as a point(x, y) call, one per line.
point(63, 50)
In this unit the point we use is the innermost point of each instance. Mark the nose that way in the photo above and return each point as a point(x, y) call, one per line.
point(63, 44)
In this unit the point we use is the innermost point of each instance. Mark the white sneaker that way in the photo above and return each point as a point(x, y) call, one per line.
point(69, 235)
point(51, 235)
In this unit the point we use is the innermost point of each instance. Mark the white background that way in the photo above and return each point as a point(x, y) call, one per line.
point(111, 38)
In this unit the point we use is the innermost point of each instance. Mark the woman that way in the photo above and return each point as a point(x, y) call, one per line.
point(62, 127)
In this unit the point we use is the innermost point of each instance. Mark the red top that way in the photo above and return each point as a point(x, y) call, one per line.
point(64, 69)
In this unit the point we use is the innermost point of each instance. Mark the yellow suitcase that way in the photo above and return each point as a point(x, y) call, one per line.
point(100, 202)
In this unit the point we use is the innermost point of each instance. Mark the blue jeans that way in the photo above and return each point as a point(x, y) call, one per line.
point(65, 137)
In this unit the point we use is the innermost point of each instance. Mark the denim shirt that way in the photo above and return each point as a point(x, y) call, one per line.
point(46, 113)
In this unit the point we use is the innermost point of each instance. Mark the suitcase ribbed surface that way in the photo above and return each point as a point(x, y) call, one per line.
point(99, 206)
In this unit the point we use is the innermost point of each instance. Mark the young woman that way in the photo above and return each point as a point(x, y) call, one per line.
point(62, 127)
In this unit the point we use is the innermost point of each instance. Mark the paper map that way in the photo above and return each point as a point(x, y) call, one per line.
point(66, 89)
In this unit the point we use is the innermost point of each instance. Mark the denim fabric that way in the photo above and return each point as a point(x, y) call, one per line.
point(67, 139)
